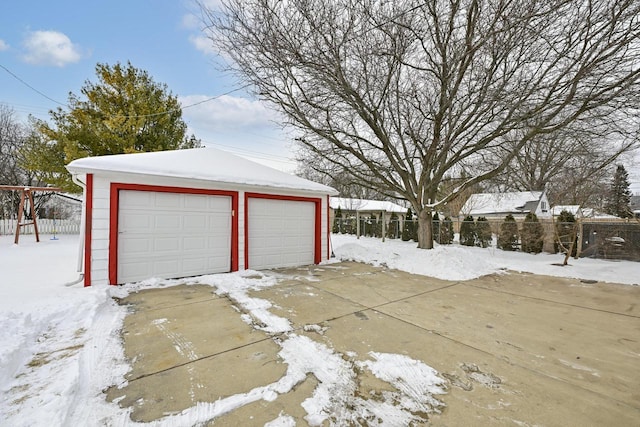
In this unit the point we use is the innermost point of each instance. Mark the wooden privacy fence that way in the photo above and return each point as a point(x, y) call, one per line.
point(46, 226)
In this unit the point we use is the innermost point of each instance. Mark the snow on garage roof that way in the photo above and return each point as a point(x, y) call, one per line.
point(207, 164)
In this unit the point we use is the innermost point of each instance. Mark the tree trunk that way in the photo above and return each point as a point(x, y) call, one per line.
point(574, 235)
point(425, 229)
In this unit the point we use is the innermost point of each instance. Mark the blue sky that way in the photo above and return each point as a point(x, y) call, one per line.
point(54, 47)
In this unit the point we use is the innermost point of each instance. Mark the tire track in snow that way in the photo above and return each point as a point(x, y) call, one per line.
point(184, 348)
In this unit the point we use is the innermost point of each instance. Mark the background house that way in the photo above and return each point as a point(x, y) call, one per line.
point(499, 205)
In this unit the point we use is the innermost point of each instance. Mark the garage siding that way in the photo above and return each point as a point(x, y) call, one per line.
point(100, 231)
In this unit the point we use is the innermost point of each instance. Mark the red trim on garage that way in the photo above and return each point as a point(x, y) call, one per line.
point(328, 229)
point(317, 252)
point(88, 219)
point(113, 219)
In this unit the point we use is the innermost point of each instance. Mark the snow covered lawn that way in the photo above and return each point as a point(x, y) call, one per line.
point(61, 346)
point(455, 262)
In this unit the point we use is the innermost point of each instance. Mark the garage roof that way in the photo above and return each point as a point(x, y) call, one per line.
point(208, 164)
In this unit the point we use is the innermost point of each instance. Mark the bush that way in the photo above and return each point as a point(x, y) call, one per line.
point(509, 236)
point(531, 235)
point(348, 225)
point(483, 232)
point(406, 226)
point(436, 226)
point(377, 226)
point(446, 231)
point(468, 233)
point(392, 230)
point(565, 224)
point(370, 226)
point(337, 221)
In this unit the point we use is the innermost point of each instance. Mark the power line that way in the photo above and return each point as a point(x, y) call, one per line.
point(161, 113)
point(31, 87)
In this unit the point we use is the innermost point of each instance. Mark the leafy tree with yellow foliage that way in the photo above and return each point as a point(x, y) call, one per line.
point(126, 111)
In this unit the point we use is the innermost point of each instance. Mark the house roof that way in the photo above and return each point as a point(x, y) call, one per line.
point(499, 203)
point(207, 164)
point(362, 205)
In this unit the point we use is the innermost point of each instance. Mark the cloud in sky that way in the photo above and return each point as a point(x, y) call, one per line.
point(3, 45)
point(50, 48)
point(203, 44)
point(227, 112)
point(240, 125)
point(193, 20)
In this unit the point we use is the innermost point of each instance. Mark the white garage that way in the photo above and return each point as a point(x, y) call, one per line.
point(183, 213)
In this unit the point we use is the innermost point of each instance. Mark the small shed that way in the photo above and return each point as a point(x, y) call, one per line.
point(575, 210)
point(356, 208)
point(181, 213)
point(634, 205)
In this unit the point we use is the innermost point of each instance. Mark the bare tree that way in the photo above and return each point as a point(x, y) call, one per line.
point(316, 168)
point(572, 164)
point(401, 94)
point(13, 137)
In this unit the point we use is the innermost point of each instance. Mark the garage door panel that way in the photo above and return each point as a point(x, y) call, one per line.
point(135, 201)
point(172, 235)
point(193, 221)
point(164, 267)
point(136, 247)
point(166, 244)
point(216, 243)
point(171, 201)
point(196, 202)
point(167, 221)
point(195, 264)
point(135, 222)
point(197, 243)
point(281, 233)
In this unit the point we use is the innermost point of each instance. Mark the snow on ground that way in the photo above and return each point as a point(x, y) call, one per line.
point(61, 346)
point(455, 262)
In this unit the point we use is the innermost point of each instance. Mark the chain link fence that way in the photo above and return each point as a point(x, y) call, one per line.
point(611, 240)
point(606, 238)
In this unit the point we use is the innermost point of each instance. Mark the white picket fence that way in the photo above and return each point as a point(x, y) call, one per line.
point(45, 226)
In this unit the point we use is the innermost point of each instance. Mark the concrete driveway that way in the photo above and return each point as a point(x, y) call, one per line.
point(515, 349)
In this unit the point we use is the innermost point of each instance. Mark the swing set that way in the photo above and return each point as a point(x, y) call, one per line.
point(26, 197)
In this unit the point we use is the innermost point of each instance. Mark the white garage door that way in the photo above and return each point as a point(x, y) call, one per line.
point(281, 233)
point(171, 235)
